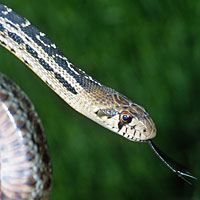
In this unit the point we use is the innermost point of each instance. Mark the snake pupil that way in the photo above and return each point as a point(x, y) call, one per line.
point(125, 117)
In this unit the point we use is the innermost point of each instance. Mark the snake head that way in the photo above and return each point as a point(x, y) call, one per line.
point(127, 119)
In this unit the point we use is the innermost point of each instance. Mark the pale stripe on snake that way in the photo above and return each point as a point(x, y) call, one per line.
point(86, 95)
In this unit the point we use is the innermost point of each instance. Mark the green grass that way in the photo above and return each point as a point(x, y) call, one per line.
point(149, 51)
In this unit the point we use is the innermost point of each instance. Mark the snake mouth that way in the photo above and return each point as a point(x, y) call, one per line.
point(134, 139)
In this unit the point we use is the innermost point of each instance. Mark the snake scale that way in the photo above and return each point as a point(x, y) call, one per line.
point(24, 160)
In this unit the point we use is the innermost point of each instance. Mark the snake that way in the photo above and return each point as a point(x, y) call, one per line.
point(25, 165)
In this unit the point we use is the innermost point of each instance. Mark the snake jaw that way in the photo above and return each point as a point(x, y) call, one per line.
point(138, 130)
point(145, 129)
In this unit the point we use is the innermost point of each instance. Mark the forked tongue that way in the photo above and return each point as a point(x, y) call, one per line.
point(184, 174)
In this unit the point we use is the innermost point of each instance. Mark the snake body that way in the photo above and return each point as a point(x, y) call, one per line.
point(25, 163)
point(102, 104)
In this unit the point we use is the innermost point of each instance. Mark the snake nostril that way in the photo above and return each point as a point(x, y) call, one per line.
point(132, 127)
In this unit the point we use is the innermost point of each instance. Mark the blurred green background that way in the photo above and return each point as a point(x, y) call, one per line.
point(148, 50)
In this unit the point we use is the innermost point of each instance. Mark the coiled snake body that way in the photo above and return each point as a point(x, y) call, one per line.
point(24, 160)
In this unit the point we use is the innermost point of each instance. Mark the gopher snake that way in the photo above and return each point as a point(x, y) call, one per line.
point(102, 104)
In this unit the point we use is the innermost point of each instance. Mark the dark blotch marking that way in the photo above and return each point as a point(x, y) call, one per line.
point(45, 157)
point(27, 39)
point(46, 40)
point(63, 63)
point(38, 129)
point(12, 50)
point(48, 183)
point(20, 125)
point(65, 83)
point(30, 116)
point(26, 102)
point(16, 94)
point(45, 65)
point(31, 51)
point(12, 25)
point(12, 110)
point(26, 62)
point(3, 97)
point(120, 125)
point(1, 27)
point(15, 37)
point(3, 43)
point(30, 181)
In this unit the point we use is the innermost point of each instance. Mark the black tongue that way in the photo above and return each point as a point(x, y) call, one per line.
point(180, 171)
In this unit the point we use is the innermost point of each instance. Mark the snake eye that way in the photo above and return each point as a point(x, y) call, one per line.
point(125, 117)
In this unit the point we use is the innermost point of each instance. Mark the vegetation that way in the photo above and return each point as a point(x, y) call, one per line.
point(148, 50)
